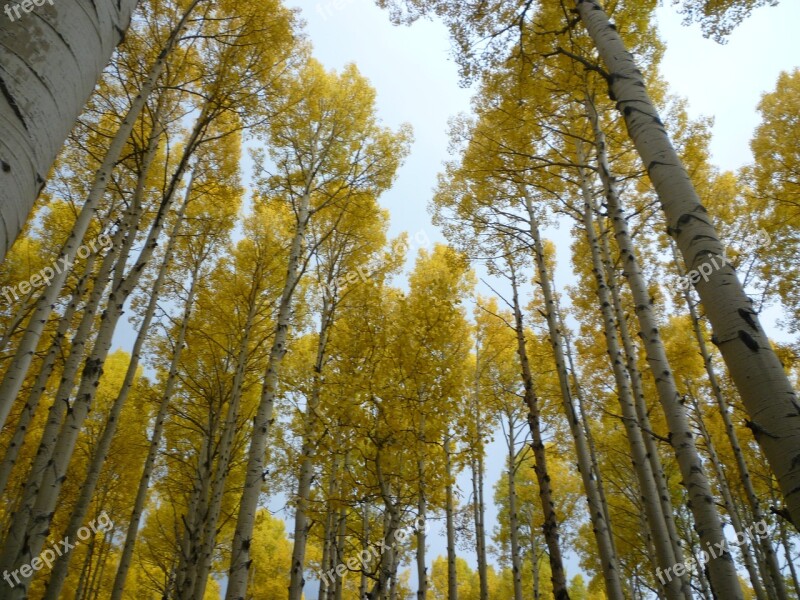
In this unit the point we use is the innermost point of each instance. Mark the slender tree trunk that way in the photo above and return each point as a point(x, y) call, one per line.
point(240, 551)
point(126, 557)
point(767, 393)
point(86, 571)
point(452, 574)
point(708, 525)
point(362, 588)
point(601, 494)
point(550, 526)
point(341, 541)
point(422, 517)
point(15, 537)
point(600, 526)
point(45, 86)
point(642, 410)
point(787, 548)
point(39, 387)
point(15, 375)
point(513, 517)
point(387, 568)
point(55, 474)
point(665, 556)
point(476, 462)
point(60, 570)
point(209, 534)
point(773, 580)
point(301, 522)
point(727, 497)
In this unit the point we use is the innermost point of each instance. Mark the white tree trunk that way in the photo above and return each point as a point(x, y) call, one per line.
point(772, 578)
point(766, 391)
point(550, 525)
point(50, 62)
point(40, 385)
point(30, 544)
point(15, 375)
point(301, 524)
point(452, 574)
point(665, 556)
point(730, 506)
point(60, 570)
point(126, 557)
point(600, 526)
point(254, 478)
point(708, 525)
point(513, 521)
point(209, 533)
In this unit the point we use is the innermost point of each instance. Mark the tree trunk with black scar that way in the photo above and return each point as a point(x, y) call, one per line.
point(767, 393)
point(550, 526)
point(665, 556)
point(600, 525)
point(50, 62)
point(240, 552)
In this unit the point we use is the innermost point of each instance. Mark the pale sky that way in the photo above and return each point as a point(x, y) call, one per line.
point(417, 82)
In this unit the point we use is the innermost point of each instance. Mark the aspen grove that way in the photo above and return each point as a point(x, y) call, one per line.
point(226, 373)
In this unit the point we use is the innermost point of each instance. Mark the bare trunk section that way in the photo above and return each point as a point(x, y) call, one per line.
point(773, 578)
point(387, 569)
point(513, 517)
point(55, 474)
point(126, 557)
point(550, 526)
point(40, 385)
point(452, 574)
point(301, 522)
point(476, 463)
point(648, 488)
point(15, 536)
point(15, 375)
point(708, 525)
point(209, 534)
point(730, 506)
point(600, 525)
point(240, 551)
point(767, 393)
point(422, 516)
point(50, 62)
point(60, 570)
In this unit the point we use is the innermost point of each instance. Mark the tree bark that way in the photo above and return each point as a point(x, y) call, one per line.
point(600, 525)
point(15, 375)
point(665, 556)
point(452, 574)
point(240, 551)
point(60, 570)
point(550, 527)
point(708, 525)
point(301, 522)
point(727, 497)
point(126, 557)
point(513, 520)
point(767, 393)
point(773, 578)
point(50, 62)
